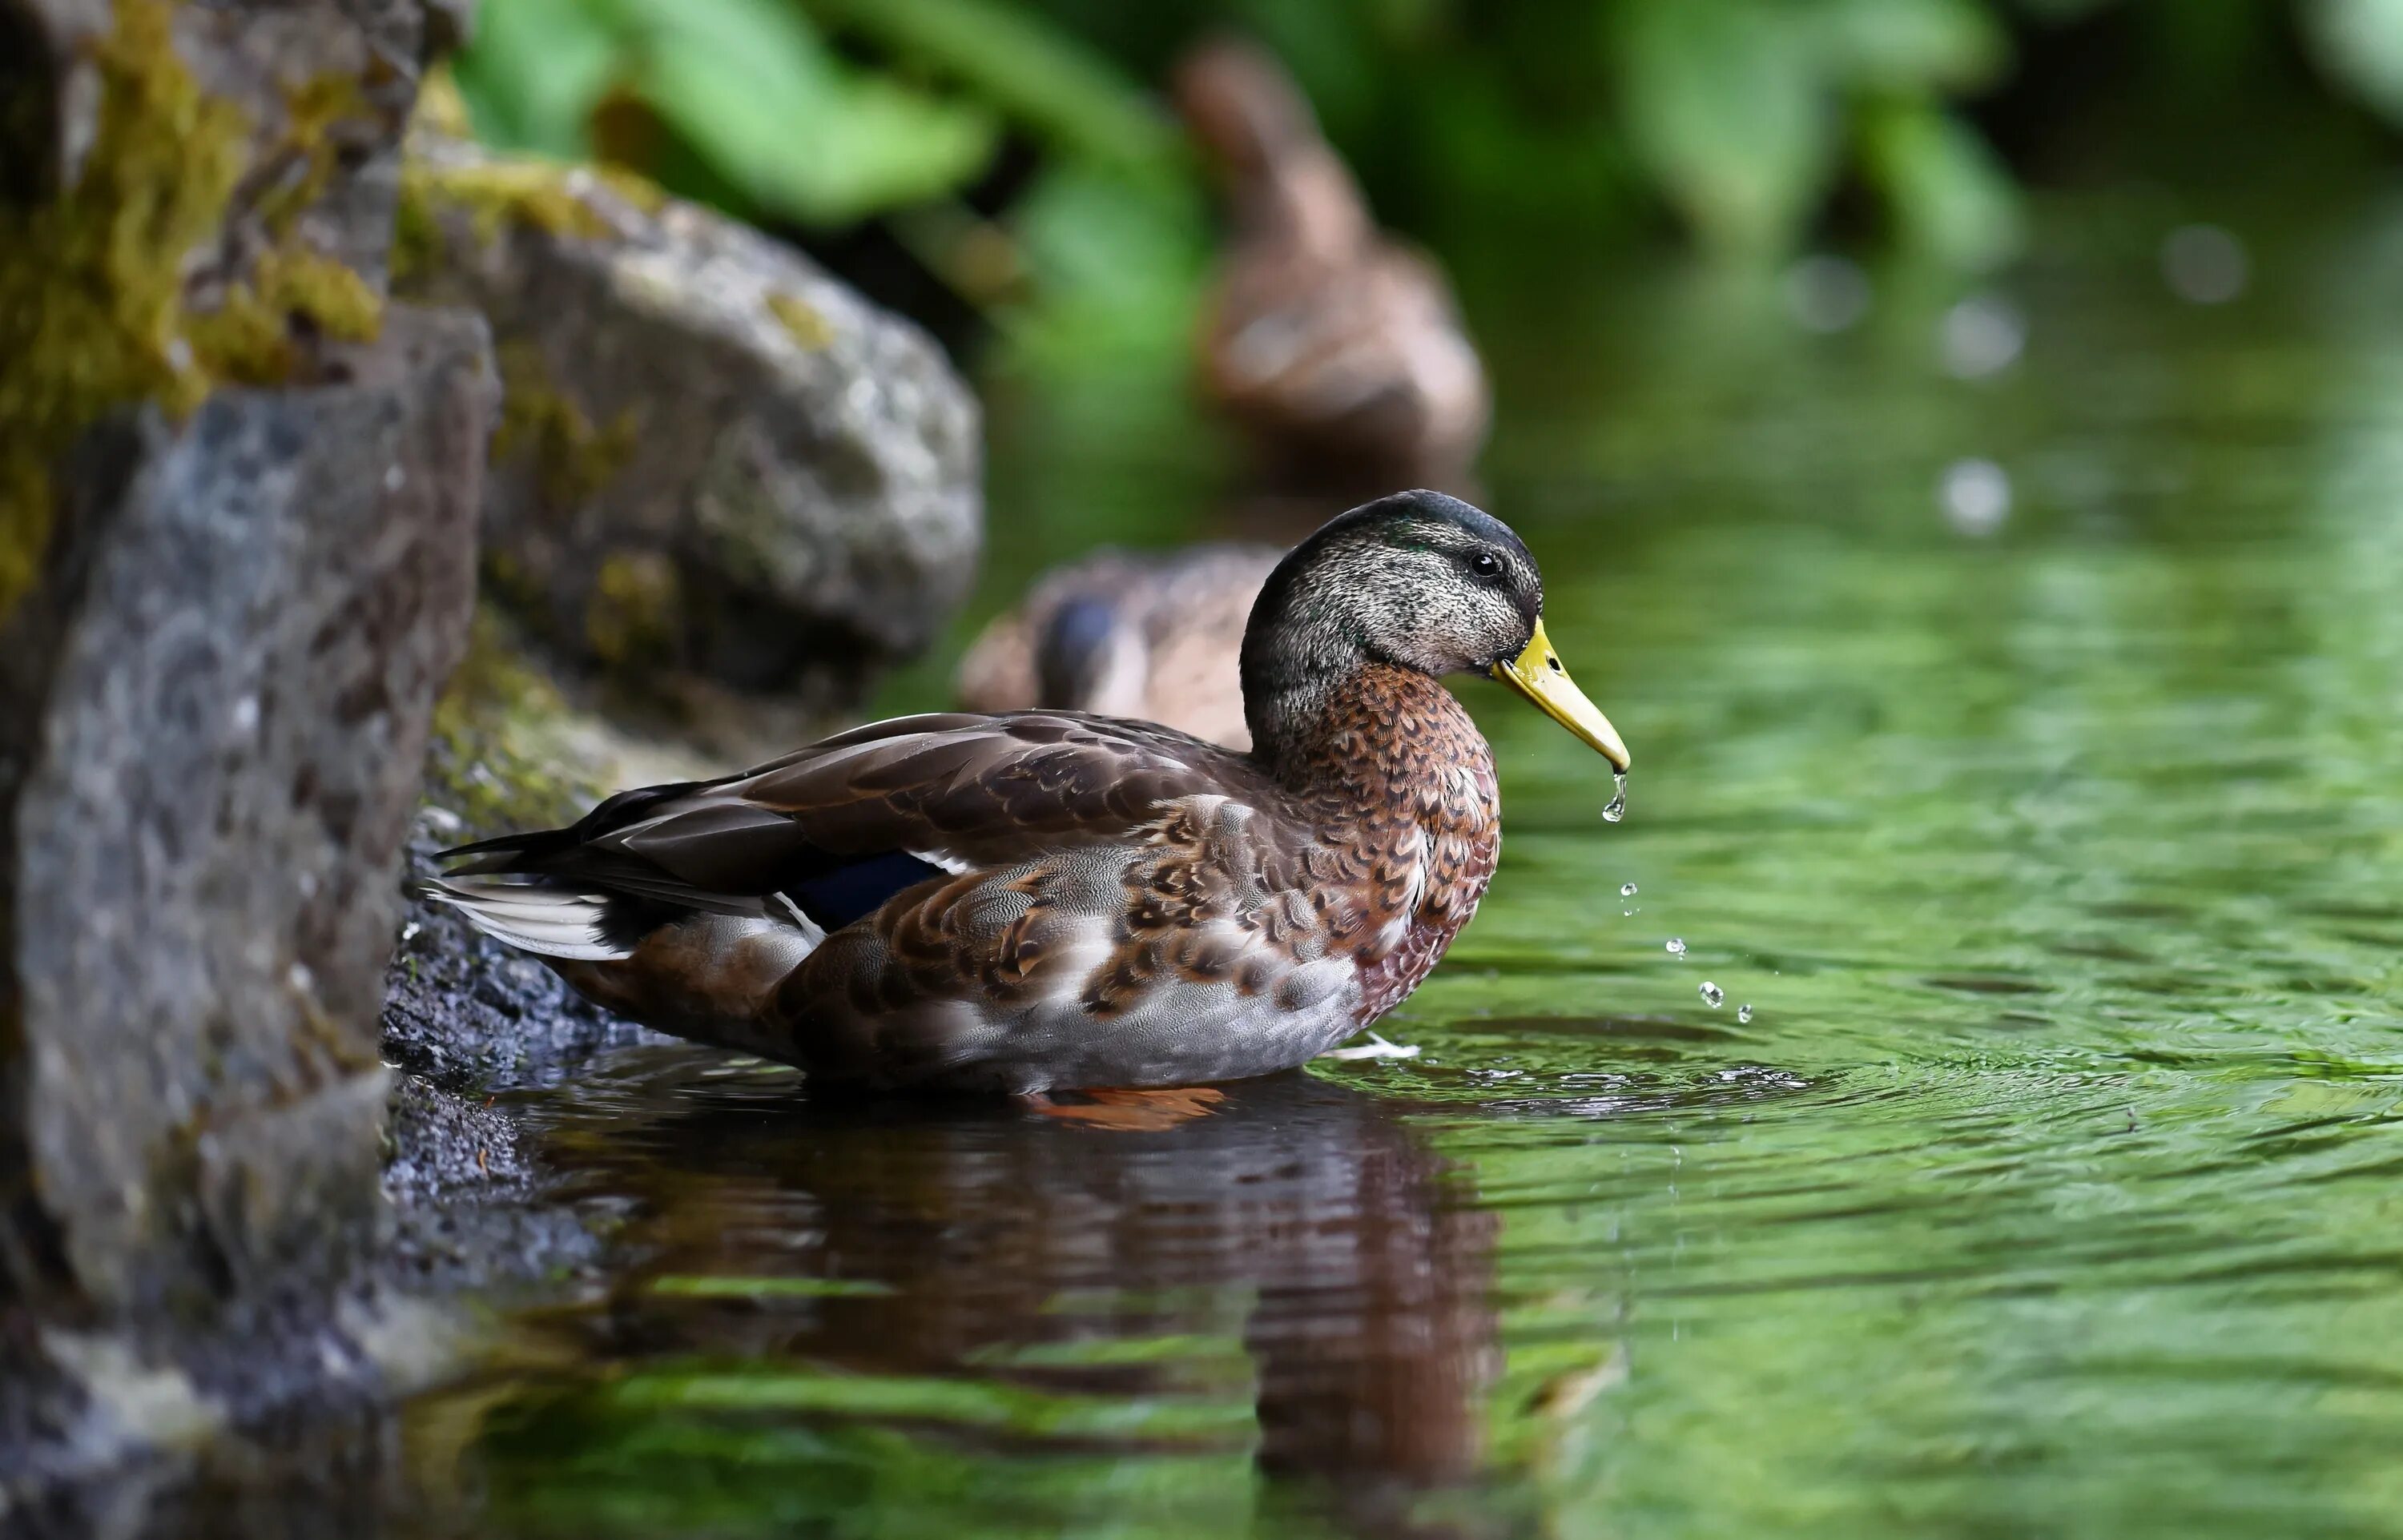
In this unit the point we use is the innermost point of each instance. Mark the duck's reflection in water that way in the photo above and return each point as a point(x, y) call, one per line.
point(1308, 1222)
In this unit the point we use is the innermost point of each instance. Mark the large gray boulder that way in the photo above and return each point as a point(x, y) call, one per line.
point(215, 712)
point(215, 705)
point(238, 501)
point(717, 466)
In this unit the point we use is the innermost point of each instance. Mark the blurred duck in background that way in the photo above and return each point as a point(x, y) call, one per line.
point(1340, 352)
point(1125, 634)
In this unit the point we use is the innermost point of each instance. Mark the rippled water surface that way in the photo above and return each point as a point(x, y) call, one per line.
point(2054, 1186)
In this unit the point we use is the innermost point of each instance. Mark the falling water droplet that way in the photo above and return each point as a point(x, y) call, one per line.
point(1677, 947)
point(1617, 808)
point(1626, 889)
point(1713, 995)
point(1744, 1012)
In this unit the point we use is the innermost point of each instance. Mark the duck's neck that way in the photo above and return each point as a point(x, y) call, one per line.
point(1306, 202)
point(1372, 733)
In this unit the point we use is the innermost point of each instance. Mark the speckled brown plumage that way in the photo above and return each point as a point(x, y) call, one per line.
point(1045, 899)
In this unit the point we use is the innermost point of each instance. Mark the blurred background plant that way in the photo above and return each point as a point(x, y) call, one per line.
point(1010, 162)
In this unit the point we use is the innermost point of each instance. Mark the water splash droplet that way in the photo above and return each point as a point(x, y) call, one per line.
point(1677, 947)
point(1617, 808)
point(1626, 889)
point(1713, 995)
point(1744, 1012)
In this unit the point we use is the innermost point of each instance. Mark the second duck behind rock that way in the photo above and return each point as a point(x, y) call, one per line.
point(1124, 633)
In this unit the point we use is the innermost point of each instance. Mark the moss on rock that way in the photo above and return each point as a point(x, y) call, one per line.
point(493, 757)
point(572, 456)
point(91, 282)
point(635, 609)
point(440, 107)
point(802, 321)
point(308, 155)
point(248, 339)
point(95, 305)
point(494, 195)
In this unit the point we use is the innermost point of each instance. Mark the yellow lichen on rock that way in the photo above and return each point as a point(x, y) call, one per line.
point(802, 321)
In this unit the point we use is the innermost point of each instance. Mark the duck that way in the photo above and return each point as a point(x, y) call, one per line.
point(1154, 636)
point(1337, 348)
point(1040, 901)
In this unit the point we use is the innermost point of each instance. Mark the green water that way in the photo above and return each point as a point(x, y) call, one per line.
point(2052, 1187)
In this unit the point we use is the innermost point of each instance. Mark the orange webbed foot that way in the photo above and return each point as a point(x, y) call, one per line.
point(1129, 1111)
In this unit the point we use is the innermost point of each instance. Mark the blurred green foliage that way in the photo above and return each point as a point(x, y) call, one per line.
point(1019, 150)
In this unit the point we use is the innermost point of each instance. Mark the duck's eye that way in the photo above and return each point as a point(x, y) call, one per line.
point(1485, 563)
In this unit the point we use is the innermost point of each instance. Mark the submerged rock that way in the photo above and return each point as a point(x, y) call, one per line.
point(717, 466)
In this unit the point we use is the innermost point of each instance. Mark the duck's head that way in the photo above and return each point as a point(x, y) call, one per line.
point(1417, 580)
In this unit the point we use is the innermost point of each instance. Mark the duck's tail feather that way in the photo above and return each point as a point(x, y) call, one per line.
point(529, 850)
point(537, 916)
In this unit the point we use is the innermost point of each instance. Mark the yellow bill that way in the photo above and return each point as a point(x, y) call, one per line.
point(1538, 675)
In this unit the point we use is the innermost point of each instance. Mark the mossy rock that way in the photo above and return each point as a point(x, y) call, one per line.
point(103, 303)
point(720, 472)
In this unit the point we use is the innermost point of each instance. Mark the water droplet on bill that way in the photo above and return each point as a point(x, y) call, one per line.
point(1677, 947)
point(1616, 809)
point(1713, 995)
point(1744, 1012)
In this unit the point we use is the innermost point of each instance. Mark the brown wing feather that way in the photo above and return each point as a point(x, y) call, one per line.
point(983, 790)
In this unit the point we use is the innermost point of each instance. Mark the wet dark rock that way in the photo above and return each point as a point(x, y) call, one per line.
point(718, 468)
point(471, 1015)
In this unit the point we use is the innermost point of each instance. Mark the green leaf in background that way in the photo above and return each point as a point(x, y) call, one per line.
point(754, 88)
point(1947, 194)
point(1031, 72)
point(535, 70)
point(1120, 258)
point(1724, 108)
point(2359, 43)
point(1911, 46)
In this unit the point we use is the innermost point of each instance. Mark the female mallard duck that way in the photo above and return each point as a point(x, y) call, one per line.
point(1327, 340)
point(1122, 635)
point(1048, 900)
